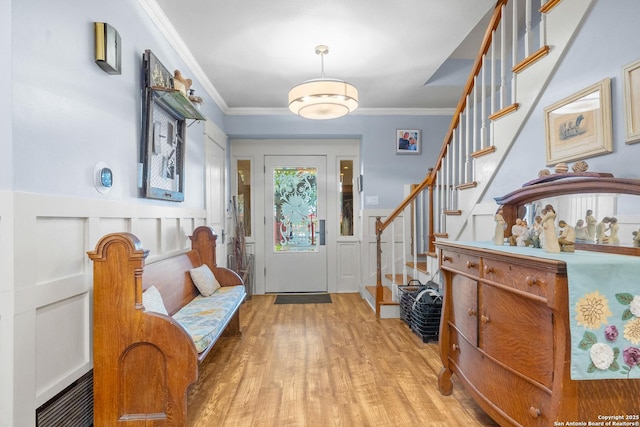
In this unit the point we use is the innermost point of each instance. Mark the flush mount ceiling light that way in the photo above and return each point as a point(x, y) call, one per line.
point(323, 98)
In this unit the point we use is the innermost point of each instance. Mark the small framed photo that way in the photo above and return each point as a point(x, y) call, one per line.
point(579, 126)
point(408, 141)
point(632, 101)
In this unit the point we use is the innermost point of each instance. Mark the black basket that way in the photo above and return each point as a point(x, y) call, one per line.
point(407, 296)
point(425, 315)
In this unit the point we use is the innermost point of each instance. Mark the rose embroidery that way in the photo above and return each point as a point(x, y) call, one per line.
point(611, 333)
point(631, 356)
point(602, 356)
point(634, 306)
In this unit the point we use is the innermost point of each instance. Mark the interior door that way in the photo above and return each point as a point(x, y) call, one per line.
point(295, 213)
point(215, 179)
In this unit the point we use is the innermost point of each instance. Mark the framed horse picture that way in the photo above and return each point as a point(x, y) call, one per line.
point(579, 126)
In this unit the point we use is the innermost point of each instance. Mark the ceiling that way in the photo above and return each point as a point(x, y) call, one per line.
point(402, 55)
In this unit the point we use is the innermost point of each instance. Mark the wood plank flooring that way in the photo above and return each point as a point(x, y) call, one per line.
point(324, 365)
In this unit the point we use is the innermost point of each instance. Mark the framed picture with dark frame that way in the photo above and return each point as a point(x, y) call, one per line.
point(579, 126)
point(164, 132)
point(408, 141)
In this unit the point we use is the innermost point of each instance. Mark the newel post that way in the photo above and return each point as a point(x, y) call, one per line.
point(379, 289)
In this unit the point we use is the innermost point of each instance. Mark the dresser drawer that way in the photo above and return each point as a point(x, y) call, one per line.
point(516, 331)
point(463, 263)
point(521, 400)
point(464, 306)
point(534, 281)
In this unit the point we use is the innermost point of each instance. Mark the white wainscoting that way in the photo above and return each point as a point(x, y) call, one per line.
point(49, 335)
point(7, 397)
point(348, 261)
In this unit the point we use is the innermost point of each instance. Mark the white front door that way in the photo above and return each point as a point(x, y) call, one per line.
point(216, 203)
point(295, 214)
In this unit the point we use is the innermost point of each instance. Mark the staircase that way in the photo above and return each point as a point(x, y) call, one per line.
point(521, 48)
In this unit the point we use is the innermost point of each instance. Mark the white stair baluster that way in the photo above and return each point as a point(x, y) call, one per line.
point(503, 59)
point(483, 110)
point(514, 50)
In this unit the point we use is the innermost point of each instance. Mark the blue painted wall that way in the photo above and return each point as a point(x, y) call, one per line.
point(385, 172)
point(607, 41)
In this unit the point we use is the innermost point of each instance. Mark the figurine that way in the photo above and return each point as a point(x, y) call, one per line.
point(636, 239)
point(614, 228)
point(536, 232)
point(498, 237)
point(601, 229)
point(591, 224)
point(582, 232)
point(567, 238)
point(551, 244)
point(518, 234)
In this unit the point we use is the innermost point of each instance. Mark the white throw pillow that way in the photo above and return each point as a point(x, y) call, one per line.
point(204, 280)
point(152, 301)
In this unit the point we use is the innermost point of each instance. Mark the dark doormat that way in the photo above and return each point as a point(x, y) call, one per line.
point(303, 299)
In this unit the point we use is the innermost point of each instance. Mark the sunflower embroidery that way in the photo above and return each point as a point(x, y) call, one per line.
point(632, 330)
point(593, 311)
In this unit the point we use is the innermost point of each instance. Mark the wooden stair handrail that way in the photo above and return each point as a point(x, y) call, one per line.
point(430, 178)
point(462, 103)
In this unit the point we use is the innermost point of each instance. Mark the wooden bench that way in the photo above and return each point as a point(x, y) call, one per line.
point(145, 361)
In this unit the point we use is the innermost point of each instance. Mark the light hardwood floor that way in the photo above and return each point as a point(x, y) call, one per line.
point(324, 365)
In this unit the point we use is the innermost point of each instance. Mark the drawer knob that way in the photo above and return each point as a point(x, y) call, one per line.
point(531, 281)
point(484, 319)
point(534, 412)
point(455, 347)
point(470, 264)
point(471, 312)
point(488, 269)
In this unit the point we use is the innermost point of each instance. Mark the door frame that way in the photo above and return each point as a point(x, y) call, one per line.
point(334, 150)
point(214, 135)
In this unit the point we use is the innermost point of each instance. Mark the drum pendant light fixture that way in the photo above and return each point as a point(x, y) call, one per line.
point(323, 98)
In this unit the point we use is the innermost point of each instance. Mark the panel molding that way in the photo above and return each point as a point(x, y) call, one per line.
point(30, 228)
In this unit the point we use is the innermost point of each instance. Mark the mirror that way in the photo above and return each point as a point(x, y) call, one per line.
point(620, 209)
point(572, 195)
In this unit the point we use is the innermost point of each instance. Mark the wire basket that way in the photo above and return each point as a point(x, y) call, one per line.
point(407, 296)
point(425, 315)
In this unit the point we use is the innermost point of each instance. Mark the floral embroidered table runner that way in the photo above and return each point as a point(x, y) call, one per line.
point(604, 310)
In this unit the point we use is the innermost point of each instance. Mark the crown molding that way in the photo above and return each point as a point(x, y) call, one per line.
point(159, 18)
point(359, 112)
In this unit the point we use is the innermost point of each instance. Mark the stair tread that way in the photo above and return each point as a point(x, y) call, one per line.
point(399, 279)
point(420, 266)
point(386, 297)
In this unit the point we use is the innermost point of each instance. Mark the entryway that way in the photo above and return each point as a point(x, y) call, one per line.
point(283, 227)
point(295, 234)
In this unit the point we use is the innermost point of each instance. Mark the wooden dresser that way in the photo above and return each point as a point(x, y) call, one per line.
point(505, 334)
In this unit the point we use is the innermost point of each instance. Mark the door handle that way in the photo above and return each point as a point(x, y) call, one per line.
point(321, 231)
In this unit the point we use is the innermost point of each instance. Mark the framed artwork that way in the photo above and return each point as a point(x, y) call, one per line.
point(632, 101)
point(579, 126)
point(408, 141)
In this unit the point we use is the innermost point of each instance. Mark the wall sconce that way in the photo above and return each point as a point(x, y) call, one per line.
point(108, 52)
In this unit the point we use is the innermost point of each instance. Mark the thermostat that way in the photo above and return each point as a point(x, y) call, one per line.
point(103, 177)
